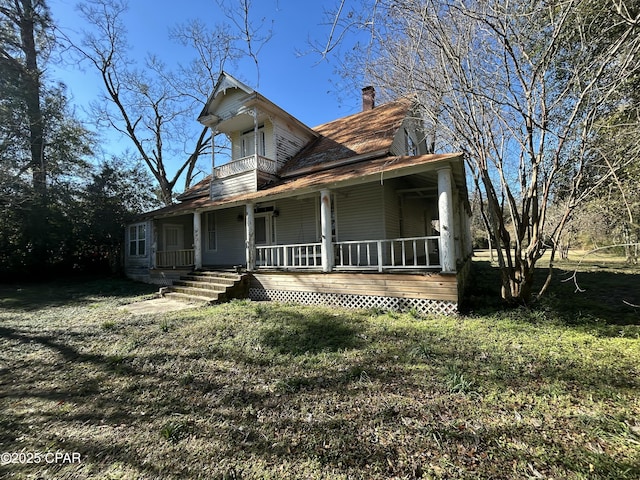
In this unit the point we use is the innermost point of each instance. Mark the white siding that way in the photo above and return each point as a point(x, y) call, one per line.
point(297, 221)
point(414, 217)
point(360, 212)
point(236, 146)
point(399, 145)
point(288, 141)
point(391, 209)
point(228, 186)
point(230, 104)
point(230, 233)
point(269, 147)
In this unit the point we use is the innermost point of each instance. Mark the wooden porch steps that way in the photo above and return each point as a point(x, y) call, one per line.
point(208, 287)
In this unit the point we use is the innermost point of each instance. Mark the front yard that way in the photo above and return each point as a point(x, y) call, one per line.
point(261, 390)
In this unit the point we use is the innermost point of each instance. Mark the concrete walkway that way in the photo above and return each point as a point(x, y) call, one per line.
point(158, 305)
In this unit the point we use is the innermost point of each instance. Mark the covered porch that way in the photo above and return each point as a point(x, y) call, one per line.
point(402, 225)
point(399, 239)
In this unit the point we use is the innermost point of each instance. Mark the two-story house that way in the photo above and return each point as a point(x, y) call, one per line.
point(353, 212)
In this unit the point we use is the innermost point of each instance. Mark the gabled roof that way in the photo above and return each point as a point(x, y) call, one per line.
point(249, 99)
point(365, 133)
point(357, 137)
point(224, 82)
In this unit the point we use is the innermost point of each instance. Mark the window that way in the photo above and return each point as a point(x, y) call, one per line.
point(412, 148)
point(138, 240)
point(212, 238)
point(248, 142)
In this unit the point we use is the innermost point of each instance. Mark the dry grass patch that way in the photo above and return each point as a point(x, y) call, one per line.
point(264, 390)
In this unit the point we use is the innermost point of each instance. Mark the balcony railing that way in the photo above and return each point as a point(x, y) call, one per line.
point(389, 254)
point(175, 259)
point(246, 164)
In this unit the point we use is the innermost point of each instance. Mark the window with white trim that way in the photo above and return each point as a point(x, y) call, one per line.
point(247, 142)
point(212, 237)
point(138, 240)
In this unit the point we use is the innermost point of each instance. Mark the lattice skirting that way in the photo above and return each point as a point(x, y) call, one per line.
point(421, 305)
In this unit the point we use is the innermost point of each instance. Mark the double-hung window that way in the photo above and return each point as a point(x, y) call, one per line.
point(212, 239)
point(138, 240)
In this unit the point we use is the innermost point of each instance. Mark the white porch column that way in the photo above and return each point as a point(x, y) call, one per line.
point(325, 224)
point(250, 238)
point(445, 213)
point(154, 244)
point(214, 132)
point(197, 240)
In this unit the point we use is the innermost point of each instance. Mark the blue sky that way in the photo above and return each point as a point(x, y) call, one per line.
point(303, 85)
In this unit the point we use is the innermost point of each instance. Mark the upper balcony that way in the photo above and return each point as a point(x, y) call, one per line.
point(246, 164)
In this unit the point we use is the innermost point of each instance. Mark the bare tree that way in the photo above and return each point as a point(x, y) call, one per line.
point(155, 106)
point(520, 87)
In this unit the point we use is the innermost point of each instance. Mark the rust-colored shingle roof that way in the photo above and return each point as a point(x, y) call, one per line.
point(358, 134)
point(380, 168)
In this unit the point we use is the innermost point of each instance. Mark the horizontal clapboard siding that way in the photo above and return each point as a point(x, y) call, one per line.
point(432, 287)
point(185, 222)
point(230, 104)
point(297, 221)
point(230, 236)
point(242, 183)
point(289, 141)
point(391, 210)
point(360, 212)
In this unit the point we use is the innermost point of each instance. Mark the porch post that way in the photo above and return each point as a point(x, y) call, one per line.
point(325, 223)
point(251, 238)
point(255, 135)
point(445, 213)
point(197, 240)
point(214, 132)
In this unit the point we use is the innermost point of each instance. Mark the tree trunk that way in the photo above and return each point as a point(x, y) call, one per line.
point(32, 93)
point(38, 219)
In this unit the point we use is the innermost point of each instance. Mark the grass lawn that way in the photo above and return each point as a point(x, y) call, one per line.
point(265, 390)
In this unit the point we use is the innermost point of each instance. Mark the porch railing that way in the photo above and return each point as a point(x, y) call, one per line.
point(302, 255)
point(246, 164)
point(396, 253)
point(175, 258)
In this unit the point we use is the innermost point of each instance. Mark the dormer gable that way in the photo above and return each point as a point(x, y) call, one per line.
point(263, 136)
point(227, 88)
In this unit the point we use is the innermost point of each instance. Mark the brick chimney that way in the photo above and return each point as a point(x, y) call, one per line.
point(368, 98)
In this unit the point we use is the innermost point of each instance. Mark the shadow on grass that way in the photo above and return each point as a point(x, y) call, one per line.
point(362, 414)
point(68, 292)
point(298, 334)
point(607, 296)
